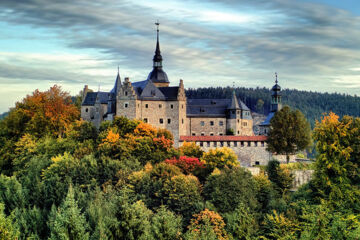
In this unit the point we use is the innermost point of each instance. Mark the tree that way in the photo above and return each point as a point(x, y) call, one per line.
point(260, 106)
point(241, 223)
point(207, 225)
point(337, 171)
point(281, 178)
point(165, 225)
point(67, 222)
point(289, 132)
point(190, 149)
point(7, 230)
point(220, 157)
point(186, 164)
point(229, 188)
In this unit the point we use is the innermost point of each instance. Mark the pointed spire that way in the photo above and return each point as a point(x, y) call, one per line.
point(157, 60)
point(234, 102)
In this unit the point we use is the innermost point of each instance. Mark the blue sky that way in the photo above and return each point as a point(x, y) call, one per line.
point(313, 45)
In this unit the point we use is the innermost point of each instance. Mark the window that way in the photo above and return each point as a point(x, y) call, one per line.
point(208, 144)
point(238, 132)
point(211, 123)
point(146, 105)
point(202, 134)
point(242, 144)
point(86, 110)
point(182, 121)
point(256, 144)
point(262, 144)
point(211, 134)
point(138, 105)
point(220, 134)
point(160, 105)
point(238, 112)
point(125, 93)
point(193, 134)
point(215, 144)
point(171, 106)
point(221, 123)
point(257, 163)
point(126, 105)
point(201, 144)
point(182, 106)
point(221, 144)
point(244, 124)
point(145, 120)
point(238, 121)
point(161, 121)
point(235, 144)
point(249, 144)
point(169, 120)
point(228, 144)
point(202, 123)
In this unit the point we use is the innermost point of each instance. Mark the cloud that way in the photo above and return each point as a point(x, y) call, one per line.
point(201, 41)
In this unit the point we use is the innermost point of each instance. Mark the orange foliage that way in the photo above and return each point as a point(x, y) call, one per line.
point(145, 130)
point(209, 217)
point(54, 107)
point(163, 143)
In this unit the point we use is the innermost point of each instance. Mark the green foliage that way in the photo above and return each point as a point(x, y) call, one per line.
point(289, 132)
point(67, 222)
point(230, 188)
point(281, 178)
point(11, 193)
point(165, 225)
point(7, 230)
point(241, 223)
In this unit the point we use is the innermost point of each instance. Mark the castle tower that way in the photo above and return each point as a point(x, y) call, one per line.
point(233, 116)
point(157, 75)
point(126, 100)
point(276, 104)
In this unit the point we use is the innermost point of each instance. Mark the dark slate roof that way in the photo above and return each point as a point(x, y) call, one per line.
point(117, 82)
point(210, 107)
point(234, 102)
point(91, 98)
point(157, 75)
point(268, 119)
point(170, 93)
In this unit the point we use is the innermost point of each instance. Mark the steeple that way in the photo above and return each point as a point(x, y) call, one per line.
point(157, 75)
point(117, 85)
point(276, 104)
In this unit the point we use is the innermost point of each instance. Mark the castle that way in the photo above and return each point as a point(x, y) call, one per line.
point(207, 122)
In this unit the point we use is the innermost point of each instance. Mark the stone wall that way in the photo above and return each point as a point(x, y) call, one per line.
point(196, 129)
point(301, 177)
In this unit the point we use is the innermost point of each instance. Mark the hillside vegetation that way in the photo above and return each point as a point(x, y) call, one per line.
point(61, 178)
point(312, 104)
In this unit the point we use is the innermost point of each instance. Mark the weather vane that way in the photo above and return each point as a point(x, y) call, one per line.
point(276, 76)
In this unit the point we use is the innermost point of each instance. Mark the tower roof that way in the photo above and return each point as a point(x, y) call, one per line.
point(234, 102)
point(276, 88)
point(157, 75)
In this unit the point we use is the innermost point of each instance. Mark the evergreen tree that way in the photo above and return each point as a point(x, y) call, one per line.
point(67, 222)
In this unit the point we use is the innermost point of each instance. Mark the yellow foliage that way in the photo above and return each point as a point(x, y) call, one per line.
point(220, 157)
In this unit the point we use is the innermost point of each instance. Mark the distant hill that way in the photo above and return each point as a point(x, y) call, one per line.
point(312, 104)
point(3, 115)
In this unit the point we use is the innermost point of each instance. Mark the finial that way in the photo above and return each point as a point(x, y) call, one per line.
point(157, 25)
point(276, 77)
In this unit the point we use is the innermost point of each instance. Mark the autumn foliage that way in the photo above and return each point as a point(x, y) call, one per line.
point(187, 164)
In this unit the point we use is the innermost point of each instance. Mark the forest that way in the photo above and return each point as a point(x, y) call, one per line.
point(312, 104)
point(61, 178)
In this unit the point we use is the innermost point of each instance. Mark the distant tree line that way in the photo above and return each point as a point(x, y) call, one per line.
point(312, 104)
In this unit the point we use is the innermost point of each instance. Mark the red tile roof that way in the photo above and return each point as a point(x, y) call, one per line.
point(222, 138)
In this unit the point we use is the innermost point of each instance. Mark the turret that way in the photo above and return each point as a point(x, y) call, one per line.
point(276, 104)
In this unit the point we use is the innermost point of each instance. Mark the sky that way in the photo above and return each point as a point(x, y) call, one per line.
point(313, 45)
